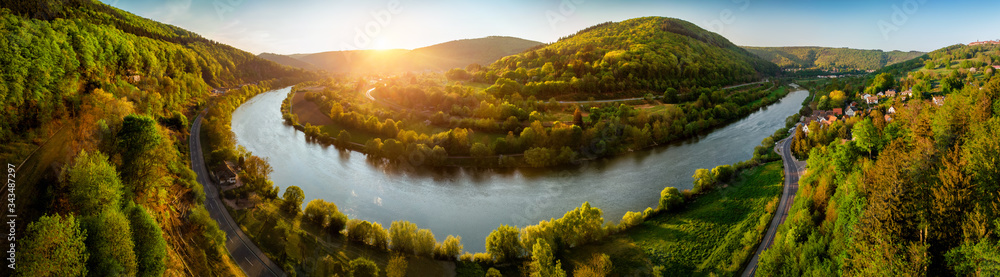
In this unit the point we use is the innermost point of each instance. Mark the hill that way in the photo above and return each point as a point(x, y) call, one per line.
point(111, 192)
point(908, 188)
point(287, 61)
point(649, 54)
point(827, 58)
point(444, 56)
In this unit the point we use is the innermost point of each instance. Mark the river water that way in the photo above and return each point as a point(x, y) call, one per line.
point(471, 203)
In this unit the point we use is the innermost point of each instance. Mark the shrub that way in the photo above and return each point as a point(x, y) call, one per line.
point(670, 198)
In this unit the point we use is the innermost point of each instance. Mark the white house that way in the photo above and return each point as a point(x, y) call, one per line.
point(891, 110)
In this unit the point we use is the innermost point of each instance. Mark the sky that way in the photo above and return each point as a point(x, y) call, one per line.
point(311, 26)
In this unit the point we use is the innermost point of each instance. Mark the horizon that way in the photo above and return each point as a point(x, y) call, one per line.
point(312, 26)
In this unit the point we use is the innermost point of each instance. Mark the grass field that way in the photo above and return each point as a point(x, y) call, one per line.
point(710, 235)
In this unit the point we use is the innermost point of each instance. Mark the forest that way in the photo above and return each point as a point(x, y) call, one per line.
point(831, 59)
point(632, 57)
point(909, 193)
point(103, 98)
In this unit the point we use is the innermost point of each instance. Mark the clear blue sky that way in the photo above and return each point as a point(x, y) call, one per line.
point(309, 26)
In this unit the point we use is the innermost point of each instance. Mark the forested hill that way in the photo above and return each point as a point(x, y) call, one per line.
point(649, 54)
point(443, 56)
point(54, 50)
point(827, 58)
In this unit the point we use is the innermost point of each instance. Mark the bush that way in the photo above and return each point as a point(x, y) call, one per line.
point(631, 219)
point(293, 200)
point(362, 267)
point(503, 244)
point(670, 199)
point(723, 173)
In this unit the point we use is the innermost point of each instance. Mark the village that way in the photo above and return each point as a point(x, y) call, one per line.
point(828, 117)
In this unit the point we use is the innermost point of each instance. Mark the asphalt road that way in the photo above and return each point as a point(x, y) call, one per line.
point(246, 254)
point(793, 170)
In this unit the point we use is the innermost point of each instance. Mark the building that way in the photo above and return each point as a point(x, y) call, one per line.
point(838, 111)
point(871, 100)
point(890, 93)
point(984, 42)
point(891, 110)
point(849, 111)
point(888, 119)
point(226, 173)
point(939, 100)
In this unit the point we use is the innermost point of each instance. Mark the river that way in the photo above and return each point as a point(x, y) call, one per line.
point(471, 203)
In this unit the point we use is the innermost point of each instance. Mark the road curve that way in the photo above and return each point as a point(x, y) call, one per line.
point(793, 170)
point(246, 254)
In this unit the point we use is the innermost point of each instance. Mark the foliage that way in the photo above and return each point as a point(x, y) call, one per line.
point(670, 198)
point(396, 267)
point(641, 54)
point(362, 267)
point(503, 244)
point(93, 183)
point(292, 200)
point(150, 247)
point(110, 244)
point(831, 58)
point(542, 263)
point(325, 215)
point(53, 246)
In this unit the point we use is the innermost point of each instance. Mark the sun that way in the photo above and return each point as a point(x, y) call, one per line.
point(381, 43)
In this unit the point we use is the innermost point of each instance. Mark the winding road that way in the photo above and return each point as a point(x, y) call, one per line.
point(246, 254)
point(793, 170)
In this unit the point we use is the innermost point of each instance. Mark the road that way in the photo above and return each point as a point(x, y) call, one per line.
point(246, 254)
point(793, 170)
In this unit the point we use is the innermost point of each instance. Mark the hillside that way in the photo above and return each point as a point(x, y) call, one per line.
point(287, 61)
point(907, 189)
point(111, 193)
point(649, 54)
point(831, 58)
point(439, 57)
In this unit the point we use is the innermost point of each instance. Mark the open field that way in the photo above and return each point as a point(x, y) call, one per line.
point(699, 239)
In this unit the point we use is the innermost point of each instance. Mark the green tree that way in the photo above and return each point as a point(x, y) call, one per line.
point(150, 247)
point(723, 173)
point(293, 200)
point(344, 138)
point(110, 245)
point(93, 183)
point(362, 267)
point(53, 246)
point(493, 272)
point(581, 225)
point(670, 198)
point(704, 180)
point(325, 215)
point(866, 136)
point(137, 141)
point(402, 235)
point(503, 244)
point(542, 262)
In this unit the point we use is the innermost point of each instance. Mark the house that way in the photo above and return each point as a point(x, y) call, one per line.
point(891, 110)
point(805, 128)
point(866, 96)
point(888, 119)
point(831, 119)
point(890, 93)
point(838, 111)
point(880, 94)
point(997, 67)
point(226, 173)
point(850, 111)
point(871, 100)
point(939, 100)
